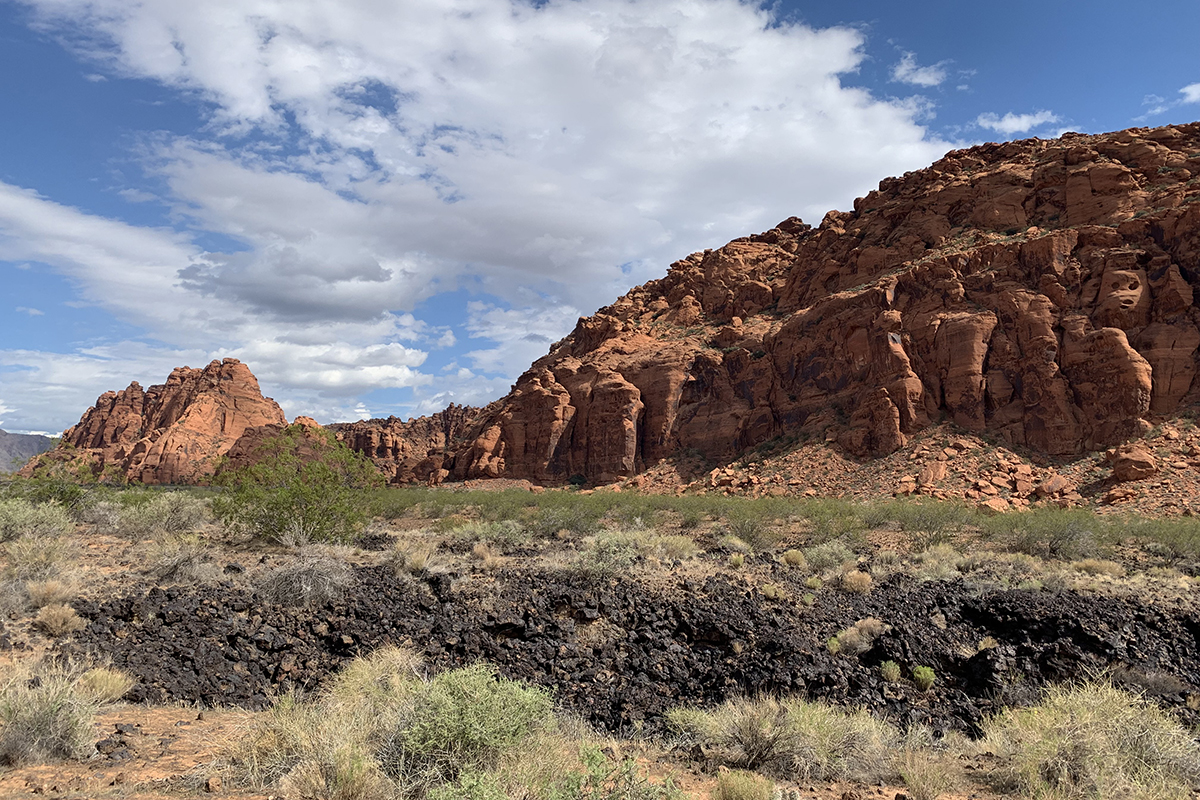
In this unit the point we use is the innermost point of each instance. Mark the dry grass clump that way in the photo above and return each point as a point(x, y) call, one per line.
point(46, 714)
point(104, 684)
point(792, 739)
point(860, 637)
point(737, 784)
point(21, 518)
point(37, 558)
point(927, 775)
point(1093, 740)
point(181, 558)
point(856, 581)
point(794, 558)
point(58, 619)
point(487, 557)
point(1099, 566)
point(412, 557)
point(316, 577)
point(48, 592)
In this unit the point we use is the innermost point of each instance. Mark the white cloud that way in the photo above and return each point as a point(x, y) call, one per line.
point(907, 71)
point(1191, 93)
point(549, 156)
point(33, 312)
point(1012, 123)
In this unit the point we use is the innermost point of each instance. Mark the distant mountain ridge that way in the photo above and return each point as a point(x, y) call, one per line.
point(17, 448)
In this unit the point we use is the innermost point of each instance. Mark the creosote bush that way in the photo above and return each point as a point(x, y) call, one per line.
point(305, 486)
point(828, 555)
point(22, 518)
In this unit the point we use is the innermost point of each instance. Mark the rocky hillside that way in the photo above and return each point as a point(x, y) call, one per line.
point(415, 450)
point(17, 448)
point(1038, 291)
point(170, 433)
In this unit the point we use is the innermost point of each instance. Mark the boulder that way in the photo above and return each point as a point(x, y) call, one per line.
point(1132, 462)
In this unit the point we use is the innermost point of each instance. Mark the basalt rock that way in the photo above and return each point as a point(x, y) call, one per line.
point(171, 433)
point(1040, 291)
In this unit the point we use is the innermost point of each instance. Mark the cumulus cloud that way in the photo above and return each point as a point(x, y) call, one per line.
point(1012, 123)
point(1191, 93)
point(364, 158)
point(907, 71)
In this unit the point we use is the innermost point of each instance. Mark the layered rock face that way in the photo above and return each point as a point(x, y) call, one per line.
point(1038, 290)
point(173, 432)
point(415, 450)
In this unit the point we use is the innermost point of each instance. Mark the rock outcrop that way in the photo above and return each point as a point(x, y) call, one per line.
point(1040, 291)
point(408, 451)
point(17, 448)
point(171, 433)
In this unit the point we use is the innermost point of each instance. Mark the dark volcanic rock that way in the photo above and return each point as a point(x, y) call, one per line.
point(621, 653)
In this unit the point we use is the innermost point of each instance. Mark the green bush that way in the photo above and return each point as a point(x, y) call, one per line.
point(19, 517)
point(828, 555)
point(305, 486)
point(460, 721)
point(923, 678)
point(165, 512)
point(736, 784)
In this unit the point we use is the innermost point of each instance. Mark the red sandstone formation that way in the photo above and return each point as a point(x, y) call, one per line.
point(173, 432)
point(1038, 290)
point(409, 451)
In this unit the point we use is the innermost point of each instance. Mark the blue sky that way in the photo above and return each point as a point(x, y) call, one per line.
point(383, 207)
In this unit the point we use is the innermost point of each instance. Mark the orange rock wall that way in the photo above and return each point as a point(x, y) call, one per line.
point(1039, 290)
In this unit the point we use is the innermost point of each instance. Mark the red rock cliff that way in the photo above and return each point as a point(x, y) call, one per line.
point(173, 432)
point(1039, 290)
point(409, 451)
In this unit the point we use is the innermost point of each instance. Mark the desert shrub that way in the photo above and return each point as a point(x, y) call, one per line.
point(21, 518)
point(890, 671)
point(860, 637)
point(166, 512)
point(184, 558)
point(923, 678)
point(737, 784)
point(33, 558)
point(737, 560)
point(305, 486)
point(504, 533)
point(461, 720)
point(930, 522)
point(856, 581)
point(1173, 539)
point(45, 716)
point(58, 619)
point(831, 518)
point(577, 518)
point(607, 557)
point(395, 502)
point(814, 582)
point(1049, 532)
point(104, 685)
point(792, 739)
point(752, 528)
point(314, 578)
point(48, 592)
point(827, 555)
point(1093, 740)
point(771, 591)
point(941, 562)
point(104, 517)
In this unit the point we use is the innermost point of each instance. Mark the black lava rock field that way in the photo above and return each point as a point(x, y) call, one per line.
point(622, 652)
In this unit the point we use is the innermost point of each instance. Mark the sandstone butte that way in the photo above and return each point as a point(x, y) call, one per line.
point(171, 433)
point(1039, 291)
